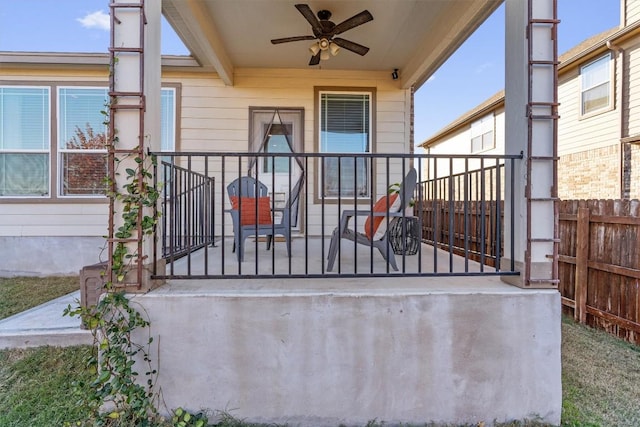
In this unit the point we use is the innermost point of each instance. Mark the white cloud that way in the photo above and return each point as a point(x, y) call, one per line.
point(482, 67)
point(99, 20)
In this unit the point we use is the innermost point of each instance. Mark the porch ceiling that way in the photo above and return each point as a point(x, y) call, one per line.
point(414, 36)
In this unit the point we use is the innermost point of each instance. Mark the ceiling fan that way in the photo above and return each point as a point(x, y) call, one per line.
point(325, 31)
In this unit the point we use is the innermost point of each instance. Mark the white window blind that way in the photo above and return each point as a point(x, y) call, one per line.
point(24, 141)
point(596, 85)
point(345, 127)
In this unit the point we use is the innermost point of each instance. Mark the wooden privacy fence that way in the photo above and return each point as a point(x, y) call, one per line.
point(599, 264)
point(472, 228)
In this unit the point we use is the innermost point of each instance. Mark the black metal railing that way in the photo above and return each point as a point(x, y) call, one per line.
point(267, 215)
point(187, 200)
point(463, 213)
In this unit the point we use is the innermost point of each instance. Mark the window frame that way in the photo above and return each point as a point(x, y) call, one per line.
point(482, 125)
point(48, 123)
point(60, 150)
point(54, 178)
point(610, 92)
point(318, 191)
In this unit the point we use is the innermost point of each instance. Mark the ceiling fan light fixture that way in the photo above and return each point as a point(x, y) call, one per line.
point(334, 49)
point(324, 55)
point(314, 48)
point(323, 44)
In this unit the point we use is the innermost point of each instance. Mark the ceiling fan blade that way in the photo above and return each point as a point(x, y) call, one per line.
point(292, 39)
point(315, 59)
point(354, 21)
point(308, 14)
point(352, 46)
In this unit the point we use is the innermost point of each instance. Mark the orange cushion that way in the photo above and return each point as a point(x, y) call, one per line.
point(376, 226)
point(248, 209)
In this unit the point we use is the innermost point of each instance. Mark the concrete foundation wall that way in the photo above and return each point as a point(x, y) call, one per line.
point(454, 350)
point(46, 256)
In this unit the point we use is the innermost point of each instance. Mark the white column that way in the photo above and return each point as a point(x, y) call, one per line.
point(128, 70)
point(537, 264)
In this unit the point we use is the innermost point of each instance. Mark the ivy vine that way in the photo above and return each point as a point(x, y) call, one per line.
point(117, 397)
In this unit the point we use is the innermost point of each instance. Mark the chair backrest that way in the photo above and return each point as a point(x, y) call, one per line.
point(247, 186)
point(408, 188)
point(291, 207)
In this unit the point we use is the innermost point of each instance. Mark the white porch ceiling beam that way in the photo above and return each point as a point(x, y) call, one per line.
point(203, 39)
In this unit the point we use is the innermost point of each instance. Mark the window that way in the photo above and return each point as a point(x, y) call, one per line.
point(24, 141)
point(482, 134)
point(27, 147)
point(276, 142)
point(168, 119)
point(595, 82)
point(82, 136)
point(345, 127)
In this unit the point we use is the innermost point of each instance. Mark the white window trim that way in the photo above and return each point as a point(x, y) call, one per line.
point(38, 151)
point(484, 125)
point(609, 105)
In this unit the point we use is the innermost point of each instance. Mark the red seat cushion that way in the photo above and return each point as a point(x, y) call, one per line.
point(376, 226)
point(247, 207)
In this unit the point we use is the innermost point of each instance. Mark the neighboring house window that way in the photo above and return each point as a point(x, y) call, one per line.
point(82, 141)
point(595, 81)
point(482, 132)
point(345, 120)
point(24, 141)
point(78, 147)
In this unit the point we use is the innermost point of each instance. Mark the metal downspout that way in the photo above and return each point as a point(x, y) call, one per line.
point(619, 65)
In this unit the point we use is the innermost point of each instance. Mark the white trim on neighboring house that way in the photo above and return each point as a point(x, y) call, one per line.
point(597, 77)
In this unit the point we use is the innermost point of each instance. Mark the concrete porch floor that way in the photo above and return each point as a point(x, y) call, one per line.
point(309, 257)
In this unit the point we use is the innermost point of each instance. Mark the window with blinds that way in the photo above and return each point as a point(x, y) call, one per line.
point(27, 146)
point(25, 141)
point(345, 127)
point(595, 82)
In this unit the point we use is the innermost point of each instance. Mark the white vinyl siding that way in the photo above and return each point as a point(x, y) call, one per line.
point(215, 117)
point(210, 116)
point(578, 133)
point(595, 85)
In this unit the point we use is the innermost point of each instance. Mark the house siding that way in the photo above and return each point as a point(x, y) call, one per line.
point(632, 11)
point(599, 154)
point(216, 118)
point(211, 117)
point(459, 142)
point(578, 133)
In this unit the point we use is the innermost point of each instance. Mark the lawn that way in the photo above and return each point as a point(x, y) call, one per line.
point(20, 293)
point(600, 373)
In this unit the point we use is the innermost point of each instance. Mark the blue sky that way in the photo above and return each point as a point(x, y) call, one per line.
point(469, 77)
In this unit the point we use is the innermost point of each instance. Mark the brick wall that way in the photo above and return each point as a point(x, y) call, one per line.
point(592, 174)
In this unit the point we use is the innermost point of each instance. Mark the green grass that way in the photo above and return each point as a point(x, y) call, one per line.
point(36, 385)
point(20, 293)
point(600, 373)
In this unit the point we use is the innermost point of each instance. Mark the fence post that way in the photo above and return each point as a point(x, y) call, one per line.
point(582, 259)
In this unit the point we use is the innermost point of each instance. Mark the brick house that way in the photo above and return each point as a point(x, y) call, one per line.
point(598, 128)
